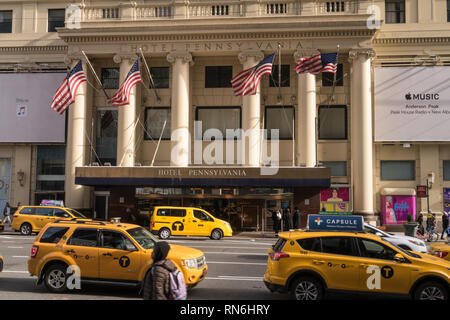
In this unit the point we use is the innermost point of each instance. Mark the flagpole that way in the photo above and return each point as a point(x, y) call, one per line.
point(158, 99)
point(279, 73)
point(335, 74)
point(95, 74)
point(159, 142)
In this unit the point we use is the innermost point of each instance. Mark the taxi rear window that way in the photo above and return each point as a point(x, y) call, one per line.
point(53, 234)
point(279, 245)
point(27, 211)
point(310, 244)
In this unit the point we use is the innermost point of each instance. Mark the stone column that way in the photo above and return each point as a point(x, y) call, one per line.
point(305, 122)
point(361, 133)
point(126, 122)
point(180, 137)
point(75, 195)
point(251, 115)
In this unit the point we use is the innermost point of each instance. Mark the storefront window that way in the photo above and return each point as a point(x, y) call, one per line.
point(398, 170)
point(160, 77)
point(446, 166)
point(154, 123)
point(338, 168)
point(50, 168)
point(106, 137)
point(218, 76)
point(280, 118)
point(110, 78)
point(220, 118)
point(332, 122)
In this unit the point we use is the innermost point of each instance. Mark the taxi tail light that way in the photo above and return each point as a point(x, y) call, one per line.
point(441, 254)
point(15, 216)
point(153, 224)
point(278, 255)
point(34, 251)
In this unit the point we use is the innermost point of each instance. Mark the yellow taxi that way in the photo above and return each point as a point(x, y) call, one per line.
point(2, 226)
point(104, 251)
point(441, 250)
point(29, 219)
point(187, 221)
point(308, 264)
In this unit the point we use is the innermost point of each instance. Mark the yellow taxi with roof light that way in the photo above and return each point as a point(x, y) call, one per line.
point(187, 221)
point(29, 219)
point(104, 251)
point(441, 250)
point(334, 254)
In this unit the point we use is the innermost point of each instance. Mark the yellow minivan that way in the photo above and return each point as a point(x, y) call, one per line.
point(187, 221)
point(29, 219)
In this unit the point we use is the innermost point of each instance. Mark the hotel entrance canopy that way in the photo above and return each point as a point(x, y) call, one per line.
point(202, 176)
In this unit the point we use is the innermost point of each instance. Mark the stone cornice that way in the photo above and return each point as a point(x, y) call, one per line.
point(34, 49)
point(411, 41)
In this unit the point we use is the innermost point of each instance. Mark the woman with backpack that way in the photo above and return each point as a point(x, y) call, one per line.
point(157, 281)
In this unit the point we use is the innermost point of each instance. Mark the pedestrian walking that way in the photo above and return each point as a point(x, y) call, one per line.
point(157, 281)
point(287, 219)
point(296, 219)
point(444, 224)
point(431, 221)
point(276, 217)
point(7, 213)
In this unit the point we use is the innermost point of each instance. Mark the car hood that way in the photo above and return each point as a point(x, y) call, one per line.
point(440, 246)
point(182, 252)
point(428, 258)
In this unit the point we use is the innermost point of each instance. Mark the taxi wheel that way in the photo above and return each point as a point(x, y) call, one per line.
point(431, 291)
point(56, 278)
point(216, 234)
point(306, 288)
point(26, 229)
point(164, 233)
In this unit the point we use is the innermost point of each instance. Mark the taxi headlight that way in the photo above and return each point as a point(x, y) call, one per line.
point(191, 263)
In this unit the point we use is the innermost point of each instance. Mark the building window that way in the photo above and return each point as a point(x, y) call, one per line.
point(447, 170)
point(395, 11)
point(328, 77)
point(338, 168)
point(218, 76)
point(154, 123)
point(333, 122)
point(50, 170)
point(219, 118)
point(223, 10)
point(280, 118)
point(160, 77)
point(163, 12)
point(110, 13)
point(6, 21)
point(448, 10)
point(106, 137)
point(398, 170)
point(285, 76)
point(110, 78)
point(335, 6)
point(56, 19)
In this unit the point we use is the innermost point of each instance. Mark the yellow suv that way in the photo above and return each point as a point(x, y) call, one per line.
point(104, 251)
point(307, 264)
point(187, 221)
point(29, 219)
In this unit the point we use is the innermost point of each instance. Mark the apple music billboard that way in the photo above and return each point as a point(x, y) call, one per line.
point(25, 113)
point(412, 104)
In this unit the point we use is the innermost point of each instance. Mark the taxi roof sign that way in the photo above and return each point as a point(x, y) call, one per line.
point(317, 222)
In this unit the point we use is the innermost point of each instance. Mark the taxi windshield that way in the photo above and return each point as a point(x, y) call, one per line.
point(411, 254)
point(143, 237)
point(77, 214)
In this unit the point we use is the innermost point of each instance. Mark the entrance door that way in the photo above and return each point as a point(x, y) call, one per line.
point(249, 217)
point(5, 182)
point(101, 205)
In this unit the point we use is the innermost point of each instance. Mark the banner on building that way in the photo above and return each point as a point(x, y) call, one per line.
point(412, 103)
point(335, 199)
point(26, 115)
point(396, 208)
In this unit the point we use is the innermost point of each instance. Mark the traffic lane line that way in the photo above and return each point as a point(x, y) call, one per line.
point(237, 253)
point(236, 263)
point(235, 278)
point(225, 241)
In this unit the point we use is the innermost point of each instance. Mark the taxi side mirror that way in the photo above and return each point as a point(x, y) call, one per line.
point(399, 258)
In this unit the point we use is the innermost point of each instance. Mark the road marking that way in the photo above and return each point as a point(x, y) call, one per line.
point(244, 263)
point(242, 253)
point(220, 247)
point(20, 256)
point(12, 271)
point(227, 241)
point(15, 247)
point(235, 278)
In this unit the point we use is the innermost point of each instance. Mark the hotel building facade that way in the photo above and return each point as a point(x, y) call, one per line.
point(121, 161)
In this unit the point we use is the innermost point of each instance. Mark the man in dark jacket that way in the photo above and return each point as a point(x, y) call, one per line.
point(296, 218)
point(158, 279)
point(287, 219)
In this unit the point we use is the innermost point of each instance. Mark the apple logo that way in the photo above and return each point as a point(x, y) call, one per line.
point(408, 96)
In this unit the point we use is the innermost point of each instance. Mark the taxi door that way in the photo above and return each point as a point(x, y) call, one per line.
point(43, 216)
point(119, 258)
point(83, 247)
point(202, 222)
point(181, 223)
point(339, 263)
point(378, 270)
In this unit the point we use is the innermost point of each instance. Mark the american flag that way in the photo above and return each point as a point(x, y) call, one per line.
point(326, 62)
point(122, 96)
point(65, 95)
point(247, 81)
